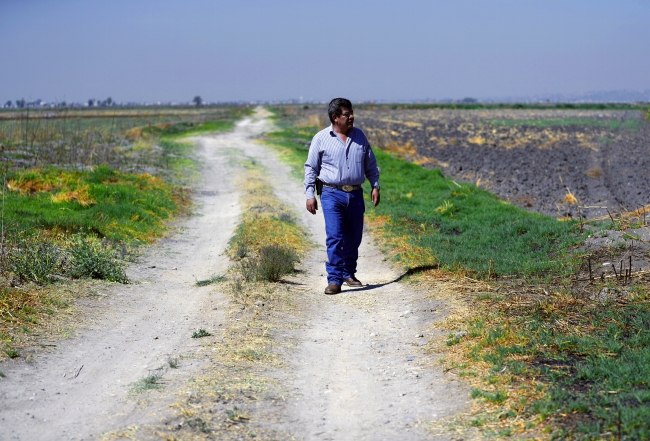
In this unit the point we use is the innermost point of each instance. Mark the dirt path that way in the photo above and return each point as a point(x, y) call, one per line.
point(359, 371)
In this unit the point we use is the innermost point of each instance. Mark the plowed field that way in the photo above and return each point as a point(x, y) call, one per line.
point(550, 161)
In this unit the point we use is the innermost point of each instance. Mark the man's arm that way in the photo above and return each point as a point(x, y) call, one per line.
point(375, 196)
point(312, 169)
point(372, 174)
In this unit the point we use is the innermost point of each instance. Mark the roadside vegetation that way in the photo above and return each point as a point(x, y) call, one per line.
point(82, 189)
point(550, 350)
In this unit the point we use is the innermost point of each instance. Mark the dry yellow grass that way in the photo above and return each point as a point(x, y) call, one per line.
point(313, 120)
point(409, 255)
point(264, 219)
point(625, 219)
point(33, 316)
point(594, 172)
point(80, 194)
point(569, 198)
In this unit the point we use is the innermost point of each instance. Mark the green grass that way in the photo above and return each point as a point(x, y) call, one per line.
point(462, 225)
point(291, 144)
point(595, 368)
point(493, 397)
point(467, 227)
point(611, 124)
point(181, 130)
point(149, 382)
point(103, 202)
point(211, 281)
point(201, 333)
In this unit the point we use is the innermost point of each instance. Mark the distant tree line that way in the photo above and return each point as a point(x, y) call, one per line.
point(108, 102)
point(21, 103)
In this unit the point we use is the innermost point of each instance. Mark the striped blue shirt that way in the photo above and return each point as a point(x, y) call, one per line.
point(339, 163)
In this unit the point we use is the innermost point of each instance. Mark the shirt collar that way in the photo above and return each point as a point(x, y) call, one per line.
point(333, 133)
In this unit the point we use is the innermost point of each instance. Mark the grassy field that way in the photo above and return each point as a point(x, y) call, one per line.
point(547, 355)
point(82, 189)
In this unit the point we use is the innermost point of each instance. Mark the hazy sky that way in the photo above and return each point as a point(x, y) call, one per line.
point(164, 50)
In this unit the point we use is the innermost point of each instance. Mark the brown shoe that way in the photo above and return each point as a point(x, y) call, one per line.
point(352, 281)
point(333, 288)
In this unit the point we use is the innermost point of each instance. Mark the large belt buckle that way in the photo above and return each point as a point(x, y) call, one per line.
point(348, 188)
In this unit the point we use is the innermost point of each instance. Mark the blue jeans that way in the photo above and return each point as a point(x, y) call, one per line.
point(343, 213)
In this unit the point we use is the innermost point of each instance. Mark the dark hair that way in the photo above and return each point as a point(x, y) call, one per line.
point(334, 109)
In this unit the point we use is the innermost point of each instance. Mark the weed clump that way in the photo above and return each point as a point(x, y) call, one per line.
point(211, 281)
point(276, 261)
point(270, 265)
point(12, 353)
point(32, 260)
point(201, 333)
point(236, 414)
point(200, 424)
point(42, 259)
point(147, 383)
point(92, 260)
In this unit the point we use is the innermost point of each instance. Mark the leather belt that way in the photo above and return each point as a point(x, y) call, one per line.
point(346, 188)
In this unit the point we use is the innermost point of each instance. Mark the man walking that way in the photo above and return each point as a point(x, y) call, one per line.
point(341, 157)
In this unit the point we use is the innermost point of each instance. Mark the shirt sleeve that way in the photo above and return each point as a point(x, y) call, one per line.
point(312, 167)
point(371, 171)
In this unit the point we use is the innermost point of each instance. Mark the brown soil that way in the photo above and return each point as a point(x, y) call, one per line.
point(532, 158)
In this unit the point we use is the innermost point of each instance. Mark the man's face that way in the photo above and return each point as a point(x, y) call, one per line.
point(345, 121)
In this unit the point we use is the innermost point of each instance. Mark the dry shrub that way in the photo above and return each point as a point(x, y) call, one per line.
point(30, 186)
point(272, 263)
point(134, 133)
point(570, 198)
point(594, 172)
point(623, 217)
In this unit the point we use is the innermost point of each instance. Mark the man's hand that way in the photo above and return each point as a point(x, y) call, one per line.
point(312, 205)
point(375, 196)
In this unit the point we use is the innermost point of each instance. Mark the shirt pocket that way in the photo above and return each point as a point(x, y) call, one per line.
point(358, 153)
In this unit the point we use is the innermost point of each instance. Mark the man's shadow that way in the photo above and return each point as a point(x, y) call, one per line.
point(409, 272)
